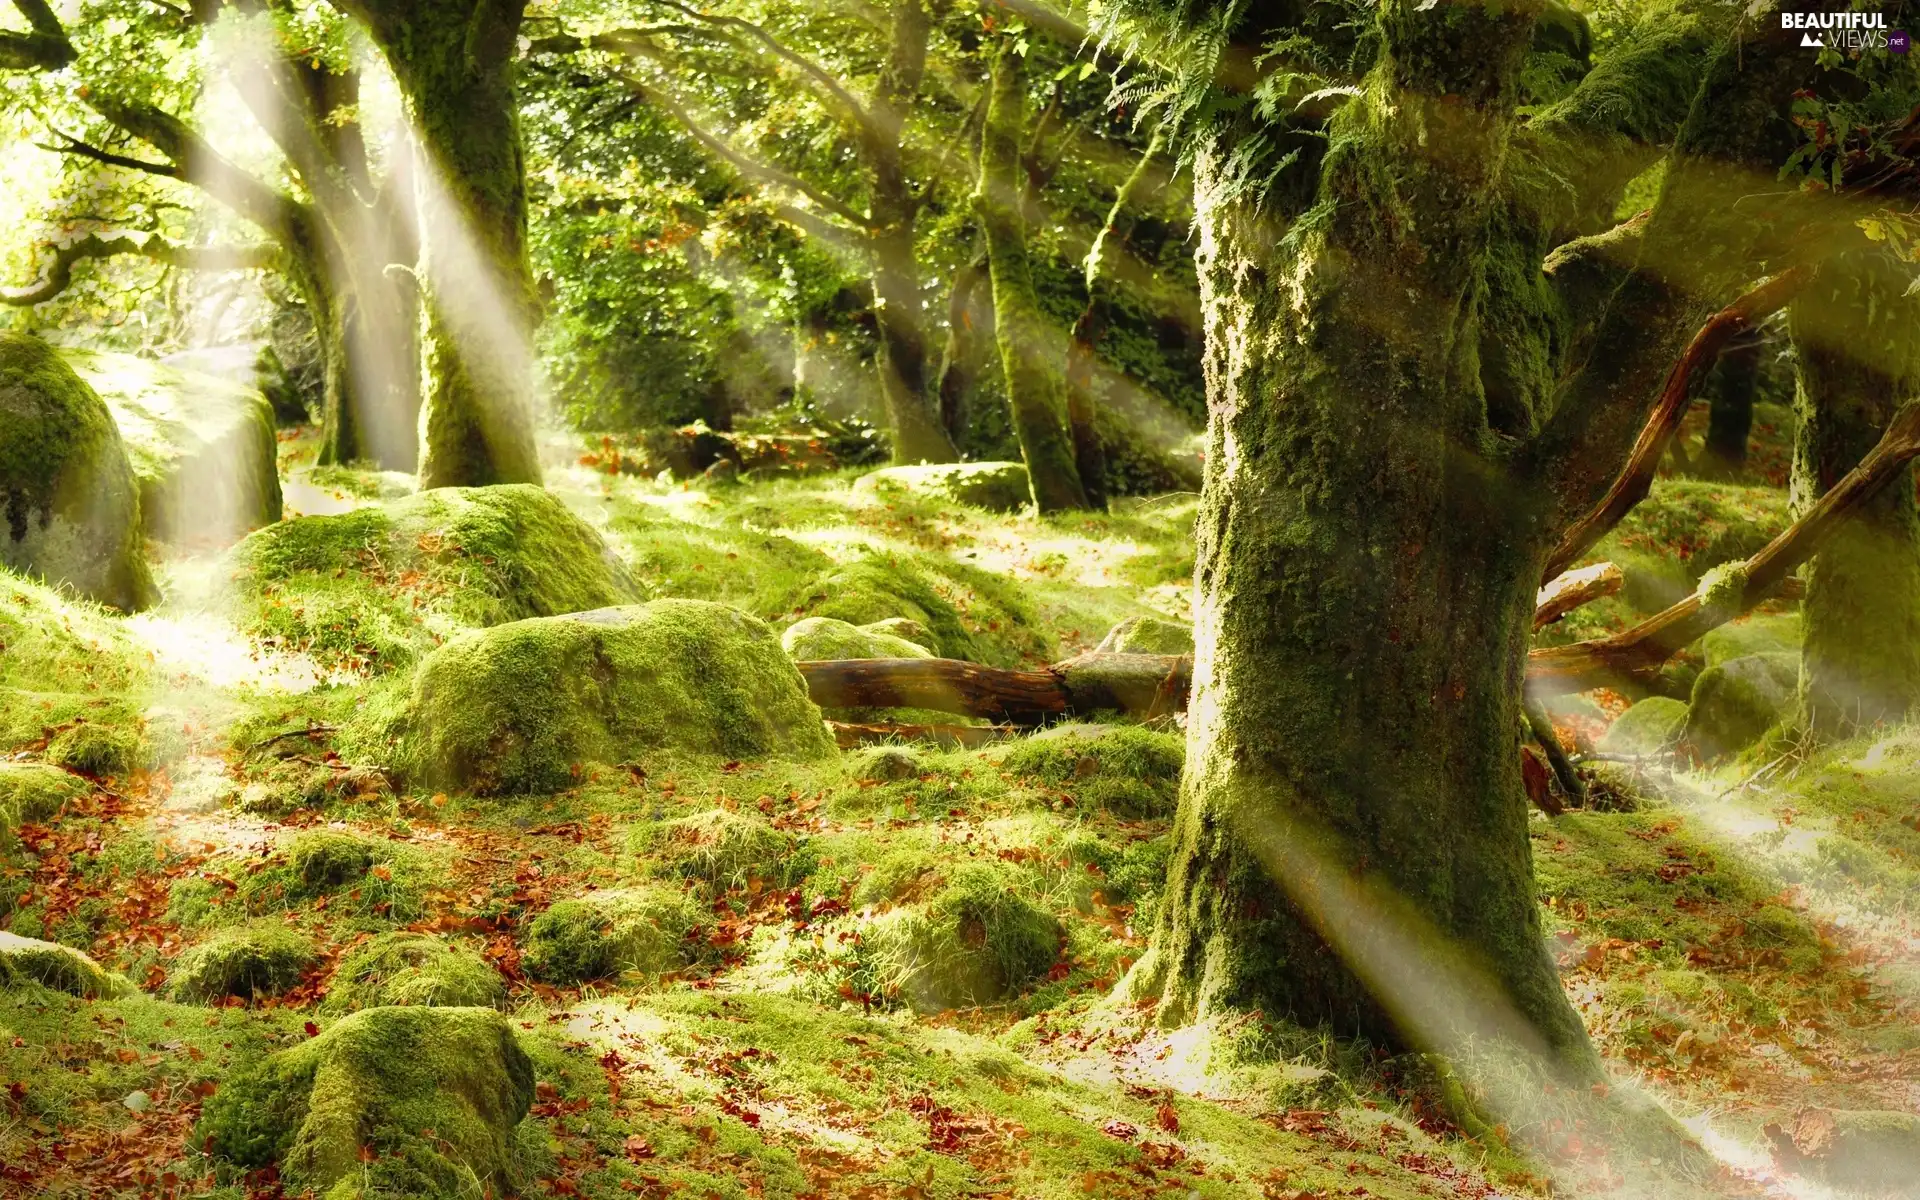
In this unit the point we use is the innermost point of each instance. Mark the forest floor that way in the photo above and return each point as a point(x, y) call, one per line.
point(1741, 943)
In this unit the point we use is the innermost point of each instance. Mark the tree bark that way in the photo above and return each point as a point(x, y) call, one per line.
point(454, 67)
point(1860, 664)
point(960, 362)
point(1730, 406)
point(1035, 388)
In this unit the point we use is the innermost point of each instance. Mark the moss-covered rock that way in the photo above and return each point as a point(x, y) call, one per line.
point(260, 958)
point(1126, 769)
point(995, 486)
point(603, 934)
point(1737, 701)
point(522, 707)
point(967, 613)
point(103, 738)
point(1148, 635)
point(884, 764)
point(413, 968)
point(822, 638)
point(67, 490)
point(1653, 726)
point(381, 585)
point(400, 1101)
point(976, 941)
point(202, 448)
point(718, 849)
point(27, 960)
point(33, 792)
point(1760, 633)
point(1872, 1152)
point(904, 628)
point(324, 860)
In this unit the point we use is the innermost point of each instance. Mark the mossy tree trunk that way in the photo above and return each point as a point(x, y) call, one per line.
point(454, 66)
point(893, 212)
point(1036, 387)
point(1854, 334)
point(1730, 406)
point(969, 326)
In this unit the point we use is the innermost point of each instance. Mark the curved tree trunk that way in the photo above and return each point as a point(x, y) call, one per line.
point(1036, 390)
point(1351, 845)
point(1860, 664)
point(454, 66)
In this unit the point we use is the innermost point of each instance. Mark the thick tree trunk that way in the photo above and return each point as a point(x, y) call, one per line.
point(969, 308)
point(369, 353)
point(1351, 845)
point(911, 419)
point(1860, 664)
point(454, 67)
point(1036, 391)
point(1730, 406)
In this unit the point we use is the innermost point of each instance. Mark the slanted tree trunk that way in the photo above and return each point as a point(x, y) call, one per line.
point(1363, 598)
point(1730, 406)
point(893, 210)
point(454, 66)
point(1854, 335)
point(969, 325)
point(1036, 390)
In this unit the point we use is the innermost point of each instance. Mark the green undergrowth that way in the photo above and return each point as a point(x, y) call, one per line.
point(72, 681)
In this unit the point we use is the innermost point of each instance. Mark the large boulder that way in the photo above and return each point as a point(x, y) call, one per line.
point(1737, 701)
point(71, 506)
point(995, 486)
point(406, 1101)
point(954, 610)
point(379, 586)
point(1653, 726)
point(202, 448)
point(62, 968)
point(522, 707)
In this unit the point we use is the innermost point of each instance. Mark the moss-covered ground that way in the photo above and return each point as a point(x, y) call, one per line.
point(882, 973)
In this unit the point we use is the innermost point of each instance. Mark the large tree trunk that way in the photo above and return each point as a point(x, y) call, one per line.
point(912, 420)
point(1860, 665)
point(1730, 406)
point(1363, 597)
point(1036, 391)
point(454, 66)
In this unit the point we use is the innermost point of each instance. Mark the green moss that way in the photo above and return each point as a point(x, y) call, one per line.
point(413, 968)
point(258, 958)
point(604, 934)
point(1148, 635)
point(969, 613)
point(995, 486)
point(72, 510)
point(818, 638)
point(381, 585)
point(417, 1102)
point(719, 849)
point(323, 861)
point(884, 764)
point(33, 792)
point(1125, 769)
point(1758, 633)
point(523, 707)
point(62, 968)
point(1653, 726)
point(106, 739)
point(1737, 701)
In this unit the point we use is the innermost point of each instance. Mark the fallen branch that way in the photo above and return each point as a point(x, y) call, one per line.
point(1637, 654)
point(1574, 589)
point(1657, 434)
point(849, 734)
point(1145, 684)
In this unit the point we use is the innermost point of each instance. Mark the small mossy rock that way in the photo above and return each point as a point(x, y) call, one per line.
point(381, 585)
point(324, 860)
point(906, 629)
point(1126, 769)
point(62, 968)
point(33, 792)
point(604, 934)
point(1653, 726)
point(413, 968)
point(1868, 1151)
point(202, 448)
point(1737, 701)
point(884, 764)
point(718, 848)
point(994, 486)
point(820, 638)
point(974, 942)
point(105, 738)
point(402, 1101)
point(71, 507)
point(968, 613)
point(260, 958)
point(1761, 633)
point(1147, 635)
point(520, 707)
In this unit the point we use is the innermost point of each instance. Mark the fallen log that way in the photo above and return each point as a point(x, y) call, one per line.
point(1637, 654)
point(1143, 684)
point(1574, 589)
point(1634, 480)
point(850, 734)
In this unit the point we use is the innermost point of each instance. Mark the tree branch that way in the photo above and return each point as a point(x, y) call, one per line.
point(1636, 478)
point(822, 78)
point(44, 48)
point(58, 274)
point(1637, 654)
point(74, 146)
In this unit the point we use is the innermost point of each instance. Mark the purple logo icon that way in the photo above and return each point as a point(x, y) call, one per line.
point(1898, 42)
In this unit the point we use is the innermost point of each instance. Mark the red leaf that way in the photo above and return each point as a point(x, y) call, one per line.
point(312, 1029)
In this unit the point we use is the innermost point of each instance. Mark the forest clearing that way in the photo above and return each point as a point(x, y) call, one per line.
point(914, 599)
